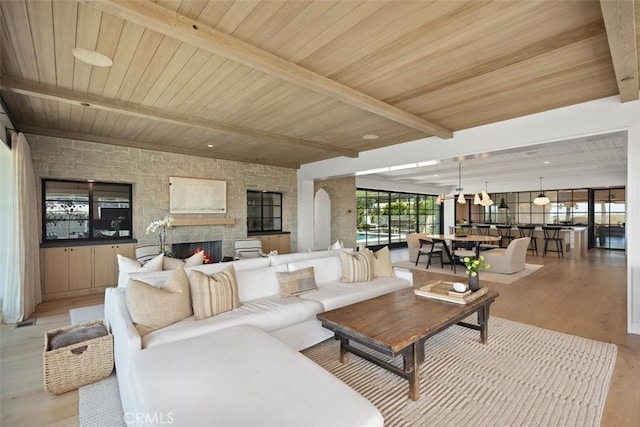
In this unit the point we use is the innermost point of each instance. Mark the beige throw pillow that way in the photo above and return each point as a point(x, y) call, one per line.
point(382, 266)
point(211, 295)
point(356, 267)
point(297, 282)
point(153, 308)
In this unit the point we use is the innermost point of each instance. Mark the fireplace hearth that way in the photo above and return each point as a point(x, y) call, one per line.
point(212, 250)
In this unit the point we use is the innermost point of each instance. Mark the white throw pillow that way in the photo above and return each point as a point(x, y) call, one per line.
point(336, 246)
point(195, 259)
point(128, 265)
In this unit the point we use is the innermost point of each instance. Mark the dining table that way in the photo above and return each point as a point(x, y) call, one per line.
point(476, 239)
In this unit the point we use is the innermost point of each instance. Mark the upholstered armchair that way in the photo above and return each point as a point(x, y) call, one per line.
point(510, 260)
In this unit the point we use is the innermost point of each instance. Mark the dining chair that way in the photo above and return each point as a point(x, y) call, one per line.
point(428, 248)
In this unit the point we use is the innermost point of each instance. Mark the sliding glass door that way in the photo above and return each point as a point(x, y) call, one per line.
point(609, 218)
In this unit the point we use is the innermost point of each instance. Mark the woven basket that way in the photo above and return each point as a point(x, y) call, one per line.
point(70, 367)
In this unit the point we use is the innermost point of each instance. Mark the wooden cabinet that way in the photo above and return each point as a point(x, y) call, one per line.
point(67, 269)
point(277, 242)
point(105, 262)
point(77, 270)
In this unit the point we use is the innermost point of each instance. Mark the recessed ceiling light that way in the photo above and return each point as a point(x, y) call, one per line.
point(210, 145)
point(546, 162)
point(370, 136)
point(92, 57)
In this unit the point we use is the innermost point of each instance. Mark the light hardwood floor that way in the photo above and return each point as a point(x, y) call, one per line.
point(581, 297)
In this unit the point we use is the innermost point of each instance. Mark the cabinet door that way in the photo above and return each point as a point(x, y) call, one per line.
point(56, 270)
point(268, 244)
point(284, 244)
point(105, 262)
point(127, 250)
point(80, 267)
point(104, 271)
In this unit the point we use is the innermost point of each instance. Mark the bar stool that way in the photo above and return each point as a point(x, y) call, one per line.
point(504, 231)
point(483, 230)
point(430, 253)
point(552, 234)
point(528, 231)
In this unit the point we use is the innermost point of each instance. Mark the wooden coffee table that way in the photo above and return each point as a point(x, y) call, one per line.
point(399, 323)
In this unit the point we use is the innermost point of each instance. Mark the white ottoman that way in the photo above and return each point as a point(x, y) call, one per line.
point(240, 376)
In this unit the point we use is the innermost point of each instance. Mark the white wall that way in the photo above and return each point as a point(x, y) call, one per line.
point(595, 117)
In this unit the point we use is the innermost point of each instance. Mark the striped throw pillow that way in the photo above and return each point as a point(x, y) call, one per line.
point(211, 295)
point(356, 267)
point(297, 282)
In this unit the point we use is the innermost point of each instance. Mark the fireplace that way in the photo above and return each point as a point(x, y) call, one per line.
point(212, 250)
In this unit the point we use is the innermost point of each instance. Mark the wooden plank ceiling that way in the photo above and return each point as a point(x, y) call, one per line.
point(290, 82)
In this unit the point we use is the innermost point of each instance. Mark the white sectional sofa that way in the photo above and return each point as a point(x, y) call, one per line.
point(242, 367)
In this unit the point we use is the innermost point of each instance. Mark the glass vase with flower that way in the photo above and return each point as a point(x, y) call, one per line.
point(474, 266)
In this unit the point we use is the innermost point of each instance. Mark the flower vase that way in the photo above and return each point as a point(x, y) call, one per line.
point(474, 282)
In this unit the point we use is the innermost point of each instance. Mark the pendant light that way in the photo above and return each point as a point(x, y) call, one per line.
point(486, 200)
point(541, 200)
point(503, 205)
point(461, 199)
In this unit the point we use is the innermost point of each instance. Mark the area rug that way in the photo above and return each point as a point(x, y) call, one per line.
point(505, 279)
point(523, 376)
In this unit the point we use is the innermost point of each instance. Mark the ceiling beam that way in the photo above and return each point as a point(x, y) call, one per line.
point(179, 27)
point(619, 21)
point(30, 88)
point(58, 133)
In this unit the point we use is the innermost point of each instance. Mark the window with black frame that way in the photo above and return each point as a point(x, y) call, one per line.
point(78, 210)
point(385, 218)
point(264, 211)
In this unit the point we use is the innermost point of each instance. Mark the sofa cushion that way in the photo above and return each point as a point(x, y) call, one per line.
point(297, 282)
point(244, 377)
point(258, 283)
point(326, 269)
point(215, 294)
point(356, 267)
point(300, 256)
point(153, 308)
point(268, 314)
point(337, 294)
point(128, 265)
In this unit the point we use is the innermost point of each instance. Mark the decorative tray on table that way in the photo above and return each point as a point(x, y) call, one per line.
point(441, 290)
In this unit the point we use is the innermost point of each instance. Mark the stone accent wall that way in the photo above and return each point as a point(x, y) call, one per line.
point(342, 192)
point(149, 172)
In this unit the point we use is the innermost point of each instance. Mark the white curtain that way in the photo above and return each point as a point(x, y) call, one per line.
point(22, 274)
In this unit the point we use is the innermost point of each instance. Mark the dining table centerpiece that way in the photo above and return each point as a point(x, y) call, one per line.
point(474, 266)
